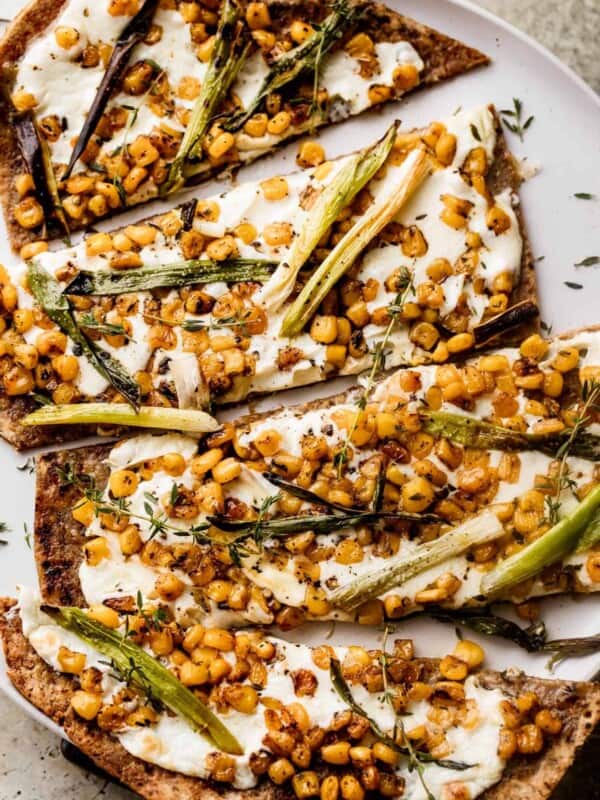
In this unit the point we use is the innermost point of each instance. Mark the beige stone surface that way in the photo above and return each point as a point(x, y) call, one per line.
point(31, 765)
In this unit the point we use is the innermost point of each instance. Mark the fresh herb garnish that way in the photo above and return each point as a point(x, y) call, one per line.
point(475, 133)
point(105, 328)
point(584, 196)
point(4, 529)
point(573, 285)
point(27, 466)
point(515, 122)
point(590, 261)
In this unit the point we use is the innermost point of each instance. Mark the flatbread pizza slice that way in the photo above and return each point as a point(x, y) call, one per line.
point(444, 485)
point(409, 251)
point(110, 104)
point(206, 713)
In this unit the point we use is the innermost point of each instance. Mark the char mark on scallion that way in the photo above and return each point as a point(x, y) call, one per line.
point(179, 273)
point(133, 33)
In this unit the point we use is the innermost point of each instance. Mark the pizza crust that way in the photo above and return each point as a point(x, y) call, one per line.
point(524, 779)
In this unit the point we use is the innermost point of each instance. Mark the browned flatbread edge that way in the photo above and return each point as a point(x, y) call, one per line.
point(444, 57)
point(503, 175)
point(524, 779)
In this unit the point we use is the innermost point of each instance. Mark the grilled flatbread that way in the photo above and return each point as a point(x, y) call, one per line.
point(450, 270)
point(297, 514)
point(159, 57)
point(496, 735)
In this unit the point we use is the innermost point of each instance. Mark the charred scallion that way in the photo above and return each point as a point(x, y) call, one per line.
point(355, 173)
point(319, 523)
point(134, 32)
point(188, 421)
point(179, 273)
point(513, 316)
point(229, 53)
point(551, 547)
point(36, 154)
point(402, 567)
point(47, 292)
point(398, 187)
point(146, 674)
point(472, 432)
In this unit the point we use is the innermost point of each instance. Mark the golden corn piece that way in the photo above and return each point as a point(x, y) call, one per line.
point(193, 674)
point(86, 704)
point(221, 145)
point(278, 234)
point(227, 470)
point(497, 220)
point(469, 652)
point(350, 788)
point(417, 495)
point(310, 154)
point(96, 550)
point(70, 661)
point(130, 540)
point(566, 359)
point(257, 16)
point(300, 31)
point(405, 77)
point(256, 126)
point(279, 123)
point(268, 442)
point(105, 615)
point(281, 770)
point(337, 753)
point(123, 483)
point(29, 213)
point(324, 329)
point(453, 668)
point(169, 587)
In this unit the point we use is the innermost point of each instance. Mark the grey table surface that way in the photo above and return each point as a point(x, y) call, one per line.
point(31, 764)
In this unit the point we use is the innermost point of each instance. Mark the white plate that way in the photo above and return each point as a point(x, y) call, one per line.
point(564, 140)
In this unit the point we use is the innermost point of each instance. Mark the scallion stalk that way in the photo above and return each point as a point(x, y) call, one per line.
point(336, 195)
point(187, 421)
point(396, 193)
point(147, 674)
point(551, 547)
point(480, 529)
point(179, 273)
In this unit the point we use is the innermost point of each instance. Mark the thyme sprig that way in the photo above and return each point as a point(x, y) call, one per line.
point(515, 122)
point(4, 529)
point(590, 394)
point(105, 328)
point(377, 366)
point(158, 521)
